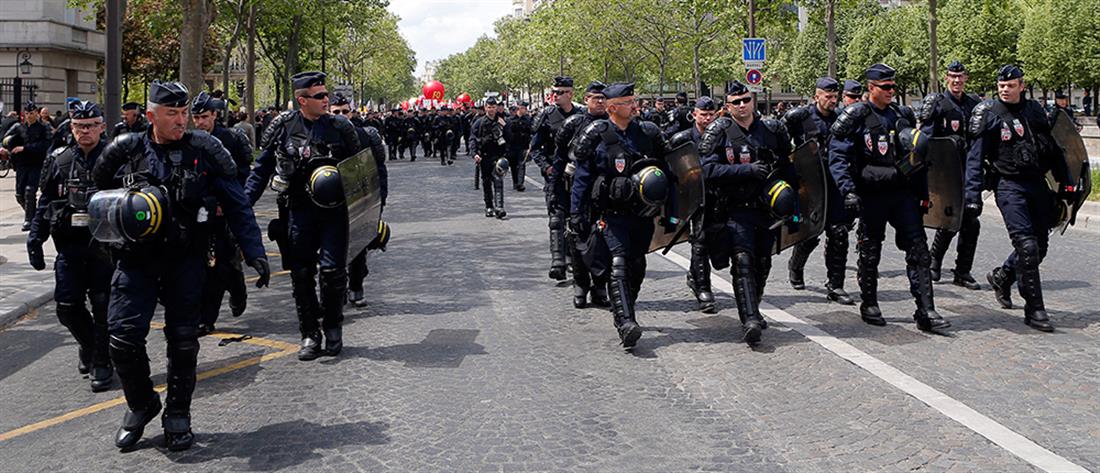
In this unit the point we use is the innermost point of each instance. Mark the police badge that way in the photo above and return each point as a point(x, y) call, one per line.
point(883, 145)
point(954, 125)
point(867, 140)
point(620, 164)
point(1019, 127)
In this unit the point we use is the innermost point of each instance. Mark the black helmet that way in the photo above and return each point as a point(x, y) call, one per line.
point(501, 167)
point(379, 242)
point(652, 185)
point(781, 200)
point(129, 215)
point(325, 187)
point(914, 149)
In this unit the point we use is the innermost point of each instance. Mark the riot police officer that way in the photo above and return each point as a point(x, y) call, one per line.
point(520, 128)
point(83, 266)
point(679, 118)
point(132, 121)
point(864, 158)
point(744, 156)
point(853, 92)
point(224, 272)
point(488, 143)
point(27, 143)
point(584, 282)
point(698, 277)
point(391, 127)
point(172, 181)
point(368, 138)
point(812, 122)
point(611, 200)
point(447, 130)
point(947, 114)
point(301, 149)
point(1012, 137)
point(542, 152)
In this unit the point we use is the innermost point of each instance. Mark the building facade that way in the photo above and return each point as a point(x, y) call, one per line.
point(63, 47)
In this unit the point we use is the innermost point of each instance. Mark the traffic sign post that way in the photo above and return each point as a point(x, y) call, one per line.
point(754, 50)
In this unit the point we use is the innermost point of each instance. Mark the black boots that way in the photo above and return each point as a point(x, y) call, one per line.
point(920, 285)
point(557, 247)
point(745, 292)
point(622, 304)
point(311, 346)
point(797, 264)
point(134, 422)
point(132, 364)
point(334, 285)
point(867, 276)
point(1001, 280)
point(1028, 257)
point(698, 278)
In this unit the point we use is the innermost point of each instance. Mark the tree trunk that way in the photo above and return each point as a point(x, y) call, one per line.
point(933, 54)
point(250, 69)
point(696, 70)
point(830, 29)
point(196, 18)
point(231, 45)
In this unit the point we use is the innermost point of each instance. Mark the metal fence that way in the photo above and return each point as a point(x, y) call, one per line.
point(7, 93)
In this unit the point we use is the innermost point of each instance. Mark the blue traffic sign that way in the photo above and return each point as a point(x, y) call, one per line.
point(753, 49)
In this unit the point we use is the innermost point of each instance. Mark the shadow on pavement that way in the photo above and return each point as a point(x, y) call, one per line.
point(442, 348)
point(277, 446)
point(20, 348)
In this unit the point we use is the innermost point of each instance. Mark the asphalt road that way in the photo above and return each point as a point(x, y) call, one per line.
point(467, 358)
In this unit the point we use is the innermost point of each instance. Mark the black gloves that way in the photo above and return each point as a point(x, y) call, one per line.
point(34, 254)
point(263, 270)
point(972, 210)
point(579, 226)
point(851, 203)
point(760, 170)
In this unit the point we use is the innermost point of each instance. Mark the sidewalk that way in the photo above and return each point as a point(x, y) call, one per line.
point(22, 289)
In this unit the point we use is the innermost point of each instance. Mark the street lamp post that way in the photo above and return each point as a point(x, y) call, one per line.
point(22, 65)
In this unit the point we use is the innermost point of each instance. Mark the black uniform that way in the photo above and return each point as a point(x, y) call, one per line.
point(83, 266)
point(862, 157)
point(391, 128)
point(804, 124)
point(607, 157)
point(139, 126)
point(546, 125)
point(698, 277)
point(738, 163)
point(225, 272)
point(489, 139)
point(584, 282)
point(520, 130)
point(944, 115)
point(199, 176)
point(311, 236)
point(679, 119)
point(35, 140)
point(1014, 144)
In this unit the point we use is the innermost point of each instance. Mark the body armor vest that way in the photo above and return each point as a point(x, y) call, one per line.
point(1018, 153)
point(74, 188)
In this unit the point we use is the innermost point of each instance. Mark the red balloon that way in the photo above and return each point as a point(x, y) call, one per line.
point(464, 98)
point(404, 105)
point(434, 90)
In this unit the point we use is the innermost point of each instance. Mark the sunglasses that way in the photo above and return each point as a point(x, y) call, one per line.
point(86, 126)
point(740, 101)
point(341, 111)
point(561, 91)
point(885, 86)
point(318, 96)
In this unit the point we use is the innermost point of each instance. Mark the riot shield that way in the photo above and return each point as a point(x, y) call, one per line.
point(812, 195)
point(683, 164)
point(362, 191)
point(945, 185)
point(1069, 139)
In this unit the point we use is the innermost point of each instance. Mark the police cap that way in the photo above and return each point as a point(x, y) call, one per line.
point(305, 80)
point(706, 104)
point(491, 101)
point(852, 87)
point(339, 100)
point(30, 107)
point(956, 66)
point(204, 103)
point(737, 88)
point(82, 110)
point(828, 84)
point(563, 81)
point(1010, 72)
point(169, 94)
point(1060, 95)
point(596, 87)
point(879, 71)
point(619, 90)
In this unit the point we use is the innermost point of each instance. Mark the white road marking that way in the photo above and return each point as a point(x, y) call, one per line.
point(977, 422)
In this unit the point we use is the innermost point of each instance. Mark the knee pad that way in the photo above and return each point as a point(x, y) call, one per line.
point(332, 278)
point(302, 275)
point(917, 254)
point(618, 267)
point(557, 221)
point(124, 345)
point(742, 259)
point(837, 232)
point(68, 312)
point(1026, 245)
point(183, 336)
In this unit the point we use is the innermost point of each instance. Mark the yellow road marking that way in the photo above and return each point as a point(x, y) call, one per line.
point(284, 348)
point(276, 273)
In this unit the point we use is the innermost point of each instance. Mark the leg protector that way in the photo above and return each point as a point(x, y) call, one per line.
point(132, 364)
point(76, 318)
point(870, 252)
point(183, 356)
point(334, 287)
point(797, 264)
point(745, 292)
point(305, 299)
point(763, 269)
point(498, 196)
point(1030, 283)
point(836, 254)
point(917, 261)
point(557, 245)
point(622, 307)
point(940, 244)
point(698, 278)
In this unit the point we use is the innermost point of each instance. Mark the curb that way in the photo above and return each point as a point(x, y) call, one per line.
point(10, 317)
